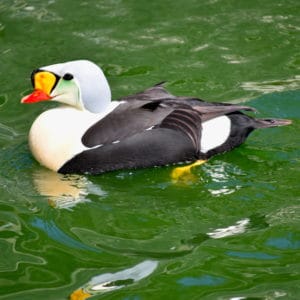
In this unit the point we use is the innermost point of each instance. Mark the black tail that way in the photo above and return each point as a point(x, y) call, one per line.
point(265, 123)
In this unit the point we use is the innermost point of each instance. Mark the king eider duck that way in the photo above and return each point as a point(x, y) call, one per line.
point(91, 134)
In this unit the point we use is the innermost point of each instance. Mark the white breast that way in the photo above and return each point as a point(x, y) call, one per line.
point(55, 136)
point(215, 132)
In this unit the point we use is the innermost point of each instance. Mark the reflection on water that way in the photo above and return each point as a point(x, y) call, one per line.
point(238, 228)
point(285, 215)
point(290, 241)
point(252, 255)
point(64, 191)
point(7, 133)
point(204, 280)
point(22, 9)
point(57, 234)
point(201, 233)
point(11, 258)
point(273, 85)
point(166, 244)
point(113, 281)
point(223, 179)
point(266, 295)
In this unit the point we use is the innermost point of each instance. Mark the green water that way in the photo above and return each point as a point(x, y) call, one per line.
point(232, 232)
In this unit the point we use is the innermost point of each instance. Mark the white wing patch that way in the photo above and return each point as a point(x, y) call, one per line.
point(215, 132)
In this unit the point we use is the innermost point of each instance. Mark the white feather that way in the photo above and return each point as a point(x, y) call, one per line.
point(55, 136)
point(215, 132)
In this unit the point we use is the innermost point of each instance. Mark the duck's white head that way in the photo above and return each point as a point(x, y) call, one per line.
point(79, 83)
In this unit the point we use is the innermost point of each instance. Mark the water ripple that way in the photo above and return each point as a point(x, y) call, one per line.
point(22, 9)
point(64, 191)
point(7, 133)
point(11, 258)
point(114, 281)
point(58, 235)
point(272, 86)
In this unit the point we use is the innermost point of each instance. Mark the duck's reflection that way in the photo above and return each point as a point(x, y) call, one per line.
point(125, 278)
point(113, 281)
point(64, 191)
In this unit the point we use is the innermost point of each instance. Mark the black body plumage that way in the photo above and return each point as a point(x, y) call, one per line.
point(155, 128)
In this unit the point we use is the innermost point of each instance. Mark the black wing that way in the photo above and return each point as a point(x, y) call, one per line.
point(152, 108)
point(126, 120)
point(157, 92)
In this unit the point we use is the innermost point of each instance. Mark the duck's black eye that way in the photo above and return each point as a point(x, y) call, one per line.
point(68, 76)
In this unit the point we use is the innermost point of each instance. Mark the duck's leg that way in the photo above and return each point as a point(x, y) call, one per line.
point(184, 174)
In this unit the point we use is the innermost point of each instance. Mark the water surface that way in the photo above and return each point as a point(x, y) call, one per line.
point(231, 232)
